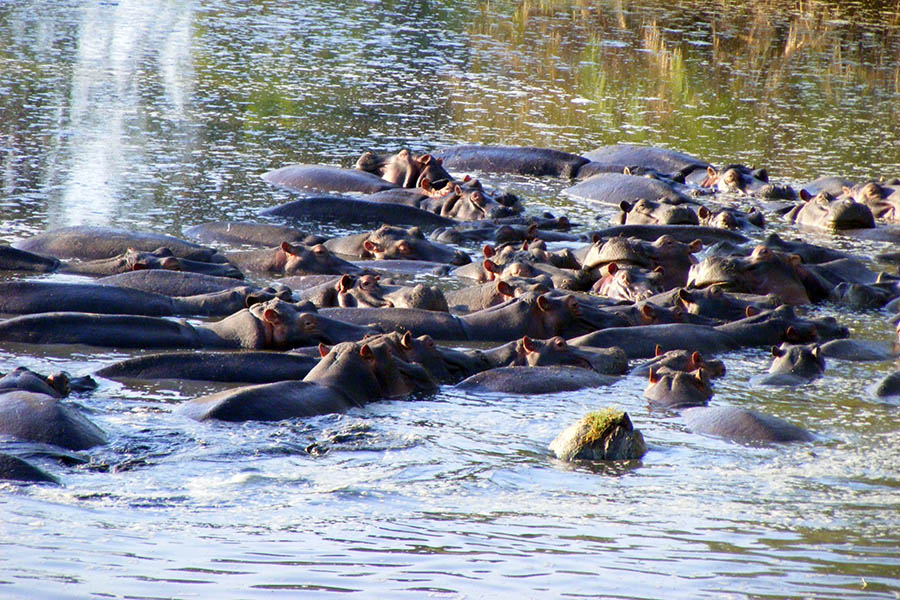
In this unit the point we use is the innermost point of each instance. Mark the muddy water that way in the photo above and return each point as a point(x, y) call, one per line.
point(161, 115)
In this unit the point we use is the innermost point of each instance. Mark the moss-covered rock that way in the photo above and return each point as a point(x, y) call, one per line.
point(605, 434)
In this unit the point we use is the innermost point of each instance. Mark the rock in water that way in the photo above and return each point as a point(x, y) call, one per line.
point(602, 435)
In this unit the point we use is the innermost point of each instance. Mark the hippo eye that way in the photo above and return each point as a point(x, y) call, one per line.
point(716, 292)
point(731, 177)
point(403, 248)
point(559, 342)
point(320, 250)
point(477, 199)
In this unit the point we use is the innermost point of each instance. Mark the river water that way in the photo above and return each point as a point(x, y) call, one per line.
point(156, 115)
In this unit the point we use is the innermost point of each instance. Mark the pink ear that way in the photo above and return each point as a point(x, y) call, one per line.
point(323, 350)
point(528, 344)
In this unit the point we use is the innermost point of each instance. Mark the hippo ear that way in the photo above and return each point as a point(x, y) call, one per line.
point(625, 206)
point(287, 248)
point(532, 231)
point(696, 246)
point(371, 246)
point(543, 302)
point(777, 351)
point(659, 269)
point(406, 340)
point(792, 334)
point(654, 376)
point(683, 295)
point(696, 360)
point(847, 191)
point(761, 174)
point(323, 350)
point(648, 312)
point(805, 196)
point(491, 267)
point(505, 289)
point(252, 299)
point(699, 375)
point(816, 351)
point(711, 176)
point(272, 316)
point(345, 283)
point(596, 237)
point(161, 251)
point(466, 179)
point(416, 232)
point(751, 311)
point(703, 212)
point(658, 351)
point(612, 268)
point(528, 344)
point(626, 171)
point(366, 352)
point(488, 251)
point(426, 185)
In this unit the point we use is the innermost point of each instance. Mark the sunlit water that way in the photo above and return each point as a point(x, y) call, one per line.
point(161, 115)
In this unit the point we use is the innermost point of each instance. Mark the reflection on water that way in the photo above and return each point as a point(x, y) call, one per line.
point(160, 115)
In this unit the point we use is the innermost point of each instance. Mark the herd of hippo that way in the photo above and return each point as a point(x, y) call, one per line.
point(312, 325)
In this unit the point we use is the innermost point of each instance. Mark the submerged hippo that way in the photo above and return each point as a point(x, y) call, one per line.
point(348, 375)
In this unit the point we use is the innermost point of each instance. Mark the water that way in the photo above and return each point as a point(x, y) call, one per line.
point(161, 115)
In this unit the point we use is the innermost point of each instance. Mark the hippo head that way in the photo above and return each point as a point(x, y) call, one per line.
point(553, 351)
point(300, 260)
point(628, 283)
point(469, 202)
point(389, 242)
point(825, 211)
point(801, 360)
point(285, 327)
point(646, 212)
point(678, 389)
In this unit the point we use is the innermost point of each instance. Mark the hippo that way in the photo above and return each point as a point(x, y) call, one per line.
point(500, 234)
point(741, 425)
point(326, 179)
point(809, 253)
point(536, 162)
point(615, 188)
point(829, 184)
point(764, 272)
point(531, 314)
point(349, 375)
point(494, 292)
point(824, 211)
point(172, 283)
point(251, 234)
point(617, 157)
point(404, 169)
point(137, 260)
point(859, 350)
point(676, 258)
point(86, 242)
point(29, 297)
point(330, 209)
point(555, 351)
point(466, 200)
point(534, 380)
point(648, 212)
point(13, 259)
point(682, 233)
point(672, 390)
point(731, 218)
point(445, 365)
point(680, 360)
point(764, 329)
point(35, 417)
point(244, 366)
point(389, 242)
point(13, 468)
point(882, 199)
point(743, 180)
point(274, 324)
point(794, 364)
point(714, 302)
point(288, 259)
point(601, 435)
point(367, 290)
point(631, 284)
